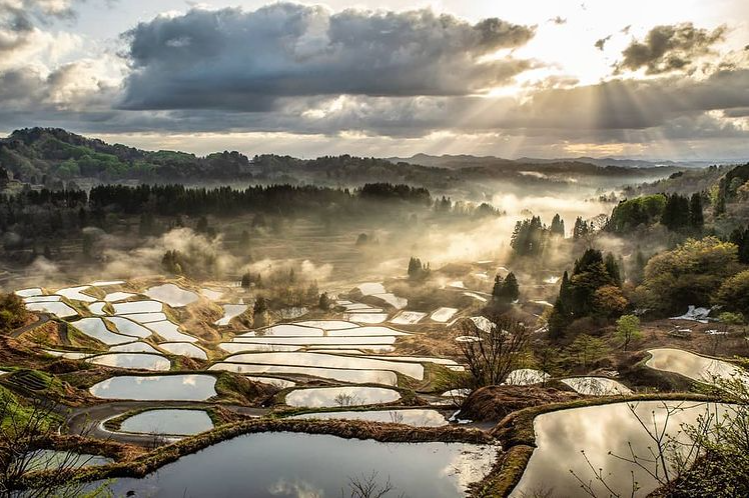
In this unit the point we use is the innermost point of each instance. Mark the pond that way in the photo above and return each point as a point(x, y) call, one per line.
point(324, 397)
point(172, 295)
point(696, 367)
point(269, 465)
point(143, 361)
point(330, 361)
point(416, 417)
point(184, 349)
point(341, 374)
point(168, 422)
point(596, 386)
point(55, 459)
point(97, 329)
point(598, 430)
point(157, 388)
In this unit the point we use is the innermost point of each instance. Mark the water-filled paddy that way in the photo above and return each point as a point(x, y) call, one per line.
point(442, 315)
point(137, 307)
point(170, 331)
point(328, 324)
point(231, 311)
point(316, 341)
point(193, 387)
point(269, 465)
point(35, 291)
point(184, 349)
point(128, 327)
point(54, 459)
point(415, 417)
point(238, 347)
point(172, 295)
point(97, 329)
point(324, 397)
point(366, 317)
point(134, 347)
point(286, 330)
point(341, 374)
point(693, 366)
point(526, 377)
point(408, 318)
point(329, 360)
point(97, 308)
point(169, 422)
point(58, 309)
point(596, 386)
point(76, 294)
point(118, 296)
point(146, 317)
point(41, 299)
point(144, 361)
point(598, 430)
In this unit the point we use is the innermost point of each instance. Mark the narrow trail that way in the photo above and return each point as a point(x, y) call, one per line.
point(43, 318)
point(89, 420)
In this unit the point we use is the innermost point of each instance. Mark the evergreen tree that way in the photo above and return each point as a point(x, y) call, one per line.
point(581, 229)
point(557, 226)
point(261, 306)
point(561, 315)
point(324, 302)
point(696, 218)
point(246, 280)
point(510, 288)
point(497, 289)
point(612, 268)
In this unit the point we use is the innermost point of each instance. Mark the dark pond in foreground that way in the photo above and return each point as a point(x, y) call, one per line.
point(286, 464)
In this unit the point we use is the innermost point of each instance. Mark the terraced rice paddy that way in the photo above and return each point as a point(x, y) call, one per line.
point(442, 315)
point(126, 326)
point(596, 386)
point(137, 307)
point(695, 367)
point(168, 422)
point(142, 361)
point(526, 377)
point(180, 387)
point(413, 417)
point(76, 294)
point(231, 311)
point(184, 349)
point(387, 378)
point(97, 329)
point(325, 397)
point(58, 309)
point(170, 331)
point(268, 465)
point(172, 295)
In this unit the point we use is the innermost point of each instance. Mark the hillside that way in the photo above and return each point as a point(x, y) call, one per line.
point(48, 156)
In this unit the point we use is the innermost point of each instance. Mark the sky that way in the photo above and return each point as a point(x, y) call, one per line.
point(666, 79)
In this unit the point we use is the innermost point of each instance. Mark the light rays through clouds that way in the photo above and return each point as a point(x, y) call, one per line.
point(667, 79)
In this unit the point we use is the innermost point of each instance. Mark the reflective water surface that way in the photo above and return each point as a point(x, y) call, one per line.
point(269, 465)
point(341, 396)
point(415, 417)
point(170, 422)
point(157, 387)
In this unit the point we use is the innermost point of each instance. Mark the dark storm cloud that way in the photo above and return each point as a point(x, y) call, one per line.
point(237, 60)
point(670, 48)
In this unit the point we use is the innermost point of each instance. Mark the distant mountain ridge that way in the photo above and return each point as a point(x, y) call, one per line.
point(467, 160)
point(50, 156)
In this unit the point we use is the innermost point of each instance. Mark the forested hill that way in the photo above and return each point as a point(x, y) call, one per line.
point(48, 156)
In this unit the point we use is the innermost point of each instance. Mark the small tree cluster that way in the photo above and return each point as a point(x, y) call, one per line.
point(505, 290)
point(417, 270)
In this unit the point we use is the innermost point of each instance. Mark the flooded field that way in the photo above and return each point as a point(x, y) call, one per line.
point(168, 422)
point(279, 464)
point(158, 387)
point(599, 431)
point(414, 417)
point(696, 367)
point(325, 397)
point(142, 361)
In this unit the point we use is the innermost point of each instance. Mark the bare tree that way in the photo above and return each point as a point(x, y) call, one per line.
point(27, 430)
point(491, 353)
point(367, 486)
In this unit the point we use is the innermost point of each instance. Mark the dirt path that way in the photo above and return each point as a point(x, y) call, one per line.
point(43, 318)
point(90, 420)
